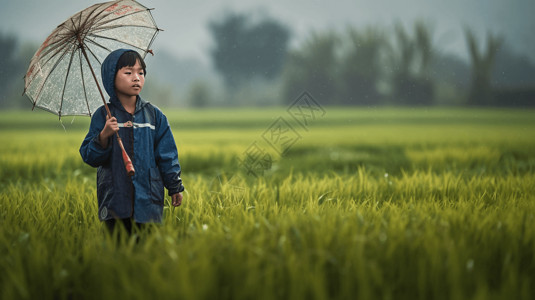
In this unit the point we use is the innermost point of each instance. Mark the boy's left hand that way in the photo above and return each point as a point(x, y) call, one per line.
point(176, 199)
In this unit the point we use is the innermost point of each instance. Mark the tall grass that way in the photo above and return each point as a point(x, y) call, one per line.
point(369, 204)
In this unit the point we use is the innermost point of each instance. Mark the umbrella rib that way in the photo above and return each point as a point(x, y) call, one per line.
point(81, 60)
point(116, 40)
point(64, 39)
point(122, 16)
point(53, 45)
point(97, 6)
point(37, 98)
point(83, 83)
point(65, 83)
point(90, 41)
point(91, 20)
point(58, 49)
point(91, 51)
point(80, 19)
point(104, 13)
point(104, 28)
point(150, 43)
point(67, 38)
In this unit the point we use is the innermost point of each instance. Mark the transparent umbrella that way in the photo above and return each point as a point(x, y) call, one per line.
point(61, 77)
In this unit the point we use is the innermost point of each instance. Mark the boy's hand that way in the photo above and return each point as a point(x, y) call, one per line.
point(110, 128)
point(176, 199)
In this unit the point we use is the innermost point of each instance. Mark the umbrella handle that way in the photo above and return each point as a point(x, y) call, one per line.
point(126, 159)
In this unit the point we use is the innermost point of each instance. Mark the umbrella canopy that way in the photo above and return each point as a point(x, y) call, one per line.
point(61, 77)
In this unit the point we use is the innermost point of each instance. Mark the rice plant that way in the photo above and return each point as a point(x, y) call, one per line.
point(368, 204)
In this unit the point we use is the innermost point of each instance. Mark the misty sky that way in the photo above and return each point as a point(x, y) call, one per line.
point(186, 33)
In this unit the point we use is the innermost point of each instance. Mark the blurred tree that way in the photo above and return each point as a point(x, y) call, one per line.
point(245, 50)
point(158, 92)
point(513, 79)
point(313, 68)
point(412, 58)
point(482, 65)
point(451, 77)
point(10, 67)
point(365, 65)
point(199, 94)
point(269, 41)
point(424, 46)
point(360, 67)
point(512, 69)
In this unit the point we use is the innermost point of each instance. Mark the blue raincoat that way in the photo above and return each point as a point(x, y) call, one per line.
point(148, 140)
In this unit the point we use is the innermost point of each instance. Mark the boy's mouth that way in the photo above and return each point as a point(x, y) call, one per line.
point(136, 85)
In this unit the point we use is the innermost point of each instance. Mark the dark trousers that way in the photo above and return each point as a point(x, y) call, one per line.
point(128, 224)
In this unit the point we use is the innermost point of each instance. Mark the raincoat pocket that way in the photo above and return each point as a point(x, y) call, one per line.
point(156, 186)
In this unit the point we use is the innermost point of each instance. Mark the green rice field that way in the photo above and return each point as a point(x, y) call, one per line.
point(345, 203)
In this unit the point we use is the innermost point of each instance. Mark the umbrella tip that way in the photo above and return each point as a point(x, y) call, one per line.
point(150, 51)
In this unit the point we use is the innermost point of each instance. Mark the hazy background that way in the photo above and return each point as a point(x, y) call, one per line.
point(183, 72)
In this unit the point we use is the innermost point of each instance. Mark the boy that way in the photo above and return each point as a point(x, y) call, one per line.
point(147, 139)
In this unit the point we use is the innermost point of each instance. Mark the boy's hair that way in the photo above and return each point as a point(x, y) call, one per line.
point(128, 59)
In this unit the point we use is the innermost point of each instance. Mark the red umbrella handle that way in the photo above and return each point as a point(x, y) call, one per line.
point(127, 161)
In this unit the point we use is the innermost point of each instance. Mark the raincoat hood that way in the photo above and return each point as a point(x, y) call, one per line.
point(109, 69)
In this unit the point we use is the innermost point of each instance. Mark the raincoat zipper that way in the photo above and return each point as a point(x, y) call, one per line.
point(132, 200)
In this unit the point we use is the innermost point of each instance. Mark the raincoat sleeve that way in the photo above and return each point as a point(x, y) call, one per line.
point(166, 155)
point(92, 153)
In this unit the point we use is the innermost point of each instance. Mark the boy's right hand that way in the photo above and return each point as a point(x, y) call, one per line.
point(110, 128)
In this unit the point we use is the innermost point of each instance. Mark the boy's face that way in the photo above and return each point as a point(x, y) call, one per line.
point(129, 81)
